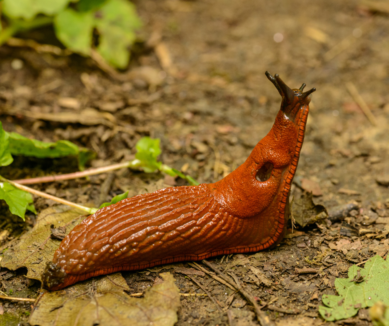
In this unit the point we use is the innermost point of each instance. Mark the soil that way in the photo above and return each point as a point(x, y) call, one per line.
point(196, 81)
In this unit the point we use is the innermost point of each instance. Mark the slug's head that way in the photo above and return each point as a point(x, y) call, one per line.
point(52, 276)
point(260, 186)
point(292, 99)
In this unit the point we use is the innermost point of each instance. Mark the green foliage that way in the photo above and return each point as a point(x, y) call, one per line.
point(74, 29)
point(363, 288)
point(89, 5)
point(18, 200)
point(148, 150)
point(12, 143)
point(27, 9)
point(115, 200)
point(5, 154)
point(20, 145)
point(115, 21)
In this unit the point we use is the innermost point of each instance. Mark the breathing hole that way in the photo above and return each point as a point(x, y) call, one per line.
point(264, 172)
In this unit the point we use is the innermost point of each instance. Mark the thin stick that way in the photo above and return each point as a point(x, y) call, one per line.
point(285, 311)
point(261, 316)
point(361, 103)
point(208, 294)
point(217, 278)
point(74, 175)
point(47, 196)
point(181, 294)
point(4, 297)
point(263, 319)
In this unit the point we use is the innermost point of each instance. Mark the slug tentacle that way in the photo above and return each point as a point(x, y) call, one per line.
point(244, 212)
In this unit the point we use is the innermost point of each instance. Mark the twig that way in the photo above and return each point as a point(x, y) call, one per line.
point(361, 103)
point(217, 278)
point(230, 318)
point(208, 294)
point(164, 57)
point(306, 270)
point(285, 311)
point(103, 65)
point(4, 297)
point(263, 319)
point(134, 164)
point(47, 196)
point(40, 48)
point(346, 43)
point(74, 175)
point(261, 316)
point(181, 294)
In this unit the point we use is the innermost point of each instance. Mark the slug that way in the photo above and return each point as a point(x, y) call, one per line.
point(244, 212)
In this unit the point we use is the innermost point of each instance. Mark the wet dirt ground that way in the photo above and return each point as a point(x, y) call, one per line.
point(197, 82)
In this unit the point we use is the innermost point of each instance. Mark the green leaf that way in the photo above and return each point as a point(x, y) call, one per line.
point(20, 145)
point(362, 288)
point(74, 29)
point(85, 155)
point(116, 22)
point(5, 154)
point(89, 5)
point(115, 200)
point(17, 200)
point(146, 158)
point(148, 151)
point(29, 8)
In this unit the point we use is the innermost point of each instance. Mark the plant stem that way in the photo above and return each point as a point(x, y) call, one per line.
point(47, 196)
point(19, 25)
point(134, 164)
point(74, 175)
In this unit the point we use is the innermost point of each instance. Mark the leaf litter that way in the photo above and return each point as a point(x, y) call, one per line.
point(104, 299)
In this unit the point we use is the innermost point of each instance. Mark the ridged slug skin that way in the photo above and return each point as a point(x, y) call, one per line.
point(244, 212)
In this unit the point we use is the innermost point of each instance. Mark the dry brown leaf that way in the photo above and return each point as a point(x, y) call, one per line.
point(36, 247)
point(87, 116)
point(261, 276)
point(311, 186)
point(305, 212)
point(348, 192)
point(69, 102)
point(104, 301)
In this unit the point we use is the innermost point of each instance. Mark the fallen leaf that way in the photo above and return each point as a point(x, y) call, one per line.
point(69, 102)
point(87, 116)
point(345, 245)
point(363, 288)
point(305, 212)
point(311, 186)
point(294, 234)
point(153, 77)
point(36, 247)
point(380, 249)
point(348, 192)
point(383, 180)
point(105, 301)
point(261, 276)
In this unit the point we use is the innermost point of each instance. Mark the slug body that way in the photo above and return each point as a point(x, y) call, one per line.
point(244, 212)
